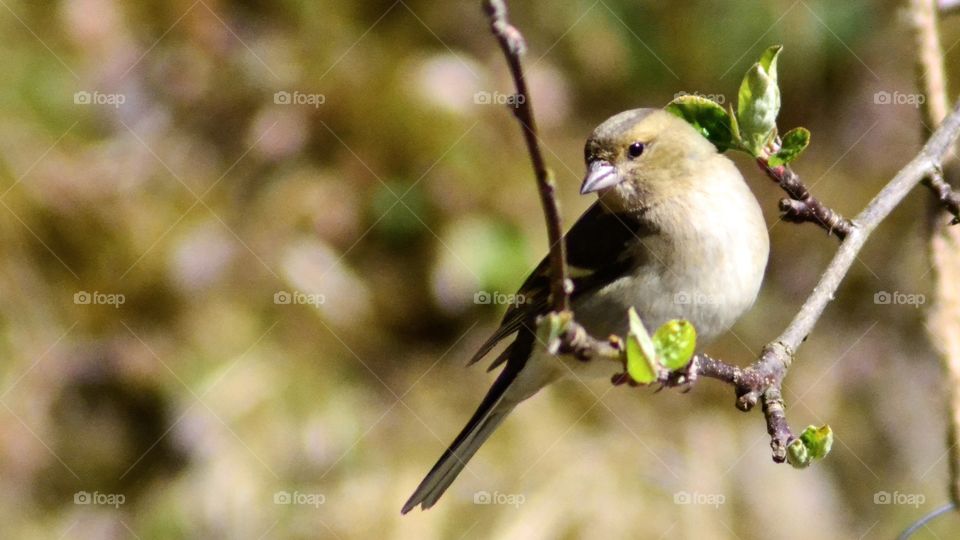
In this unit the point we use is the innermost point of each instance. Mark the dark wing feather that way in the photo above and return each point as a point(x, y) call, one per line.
point(596, 249)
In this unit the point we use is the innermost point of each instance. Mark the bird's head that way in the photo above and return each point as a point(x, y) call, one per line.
point(640, 156)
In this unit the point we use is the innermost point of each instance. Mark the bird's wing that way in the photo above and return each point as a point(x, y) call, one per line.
point(596, 255)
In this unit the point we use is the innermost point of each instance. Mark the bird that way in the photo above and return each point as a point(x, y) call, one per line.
point(675, 233)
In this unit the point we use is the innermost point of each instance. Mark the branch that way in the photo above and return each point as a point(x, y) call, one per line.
point(944, 241)
point(944, 193)
point(777, 355)
point(802, 207)
point(932, 84)
point(931, 80)
point(513, 46)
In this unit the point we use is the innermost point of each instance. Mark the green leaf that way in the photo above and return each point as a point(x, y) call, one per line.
point(675, 342)
point(641, 352)
point(768, 60)
point(798, 455)
point(792, 145)
point(706, 116)
point(814, 443)
point(817, 440)
point(734, 126)
point(758, 102)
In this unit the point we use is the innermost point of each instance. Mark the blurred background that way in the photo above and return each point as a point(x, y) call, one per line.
point(248, 246)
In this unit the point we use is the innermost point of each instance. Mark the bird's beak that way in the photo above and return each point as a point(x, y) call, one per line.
point(600, 174)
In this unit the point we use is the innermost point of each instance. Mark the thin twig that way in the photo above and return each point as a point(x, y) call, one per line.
point(778, 354)
point(802, 207)
point(945, 194)
point(513, 46)
point(922, 522)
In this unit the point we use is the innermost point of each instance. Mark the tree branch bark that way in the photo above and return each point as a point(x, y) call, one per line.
point(802, 206)
point(513, 46)
point(944, 315)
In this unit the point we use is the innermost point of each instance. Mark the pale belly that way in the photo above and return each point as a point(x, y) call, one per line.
point(713, 302)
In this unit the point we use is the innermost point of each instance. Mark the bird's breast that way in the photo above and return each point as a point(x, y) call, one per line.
point(708, 270)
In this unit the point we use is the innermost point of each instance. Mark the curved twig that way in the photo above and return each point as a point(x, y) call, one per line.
point(513, 46)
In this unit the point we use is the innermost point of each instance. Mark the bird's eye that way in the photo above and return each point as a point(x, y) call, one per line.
point(635, 150)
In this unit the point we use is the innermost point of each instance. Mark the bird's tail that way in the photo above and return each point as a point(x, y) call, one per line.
point(507, 391)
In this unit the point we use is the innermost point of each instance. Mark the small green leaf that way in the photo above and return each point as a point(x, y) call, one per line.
point(706, 116)
point(798, 455)
point(734, 126)
point(675, 342)
point(768, 60)
point(793, 144)
point(814, 443)
point(640, 331)
point(817, 440)
point(641, 352)
point(758, 102)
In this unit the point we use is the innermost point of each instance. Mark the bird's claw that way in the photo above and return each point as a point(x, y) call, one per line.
point(683, 377)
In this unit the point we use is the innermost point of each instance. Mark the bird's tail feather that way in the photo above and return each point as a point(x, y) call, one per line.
point(496, 405)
